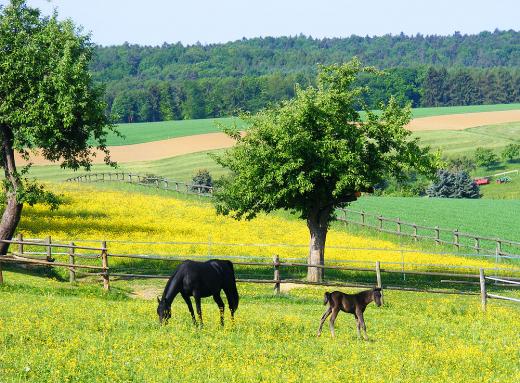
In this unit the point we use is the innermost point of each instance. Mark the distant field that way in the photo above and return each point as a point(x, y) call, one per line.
point(155, 131)
point(483, 216)
point(180, 168)
point(444, 110)
point(457, 142)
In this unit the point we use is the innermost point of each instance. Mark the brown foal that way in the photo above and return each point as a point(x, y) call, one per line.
point(349, 303)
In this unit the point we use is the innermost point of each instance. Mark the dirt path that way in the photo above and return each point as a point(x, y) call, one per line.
point(463, 121)
point(157, 150)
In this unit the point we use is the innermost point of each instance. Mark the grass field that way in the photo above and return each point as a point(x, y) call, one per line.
point(180, 168)
point(53, 332)
point(91, 213)
point(459, 142)
point(483, 217)
point(155, 131)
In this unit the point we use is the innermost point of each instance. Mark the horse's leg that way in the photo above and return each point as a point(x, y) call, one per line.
point(358, 325)
point(323, 317)
point(335, 312)
point(220, 304)
point(362, 324)
point(199, 309)
point(190, 307)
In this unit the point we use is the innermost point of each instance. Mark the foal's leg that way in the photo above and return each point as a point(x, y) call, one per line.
point(358, 325)
point(220, 304)
point(190, 307)
point(335, 312)
point(361, 323)
point(323, 317)
point(199, 309)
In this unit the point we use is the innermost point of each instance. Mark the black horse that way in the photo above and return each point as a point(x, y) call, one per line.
point(200, 280)
point(350, 303)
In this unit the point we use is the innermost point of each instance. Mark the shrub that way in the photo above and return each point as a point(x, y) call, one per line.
point(511, 152)
point(462, 163)
point(454, 185)
point(485, 157)
point(202, 181)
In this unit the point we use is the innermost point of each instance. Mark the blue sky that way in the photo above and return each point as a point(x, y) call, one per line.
point(153, 22)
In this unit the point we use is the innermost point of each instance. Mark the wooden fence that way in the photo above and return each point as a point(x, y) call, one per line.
point(45, 258)
point(454, 237)
point(146, 180)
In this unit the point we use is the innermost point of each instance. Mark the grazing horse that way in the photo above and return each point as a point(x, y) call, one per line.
point(349, 303)
point(200, 280)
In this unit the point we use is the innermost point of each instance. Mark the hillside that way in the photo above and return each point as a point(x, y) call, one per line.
point(173, 81)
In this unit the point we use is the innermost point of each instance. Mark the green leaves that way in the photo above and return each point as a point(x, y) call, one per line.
point(314, 151)
point(47, 97)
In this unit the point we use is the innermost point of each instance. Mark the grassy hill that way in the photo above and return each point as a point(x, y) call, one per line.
point(484, 217)
point(155, 131)
point(460, 142)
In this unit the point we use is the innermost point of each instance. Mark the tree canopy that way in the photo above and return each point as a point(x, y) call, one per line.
point(314, 153)
point(48, 102)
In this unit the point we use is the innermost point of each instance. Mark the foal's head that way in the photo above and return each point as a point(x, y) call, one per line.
point(164, 311)
point(376, 294)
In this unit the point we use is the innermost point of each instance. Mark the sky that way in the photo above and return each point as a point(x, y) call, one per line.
point(153, 22)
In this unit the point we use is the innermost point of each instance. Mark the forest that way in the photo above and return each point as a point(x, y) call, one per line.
point(174, 81)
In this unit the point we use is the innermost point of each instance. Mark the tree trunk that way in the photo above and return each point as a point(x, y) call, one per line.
point(13, 209)
point(318, 224)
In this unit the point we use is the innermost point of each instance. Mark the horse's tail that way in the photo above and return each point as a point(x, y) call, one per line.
point(326, 298)
point(232, 292)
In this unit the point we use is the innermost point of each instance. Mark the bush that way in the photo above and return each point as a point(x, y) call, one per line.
point(150, 178)
point(485, 157)
point(454, 185)
point(202, 181)
point(511, 152)
point(460, 164)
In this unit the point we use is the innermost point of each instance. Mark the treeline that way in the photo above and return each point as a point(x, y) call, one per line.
point(175, 81)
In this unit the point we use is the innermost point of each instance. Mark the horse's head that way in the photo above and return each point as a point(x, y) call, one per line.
point(163, 311)
point(376, 293)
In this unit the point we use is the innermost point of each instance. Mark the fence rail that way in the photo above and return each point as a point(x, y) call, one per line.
point(45, 258)
point(437, 234)
point(146, 180)
point(444, 236)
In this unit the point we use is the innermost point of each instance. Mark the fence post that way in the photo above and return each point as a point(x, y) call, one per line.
point(276, 263)
point(378, 278)
point(20, 245)
point(477, 244)
point(415, 232)
point(499, 247)
point(104, 260)
point(380, 218)
point(345, 217)
point(398, 226)
point(483, 293)
point(456, 239)
point(362, 218)
point(49, 249)
point(437, 235)
point(72, 270)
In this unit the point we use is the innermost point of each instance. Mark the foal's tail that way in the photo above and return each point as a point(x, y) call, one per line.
point(326, 298)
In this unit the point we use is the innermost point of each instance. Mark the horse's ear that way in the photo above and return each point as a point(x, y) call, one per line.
point(158, 300)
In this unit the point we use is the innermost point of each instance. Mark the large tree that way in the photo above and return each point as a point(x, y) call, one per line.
point(48, 103)
point(315, 153)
